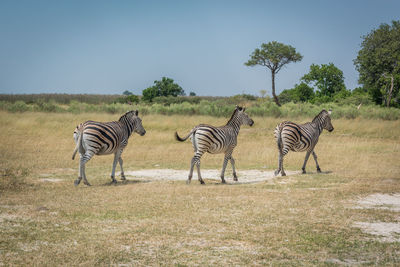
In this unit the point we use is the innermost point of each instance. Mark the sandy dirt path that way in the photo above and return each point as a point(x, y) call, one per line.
point(244, 177)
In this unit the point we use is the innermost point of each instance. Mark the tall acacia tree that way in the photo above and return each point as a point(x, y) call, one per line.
point(274, 56)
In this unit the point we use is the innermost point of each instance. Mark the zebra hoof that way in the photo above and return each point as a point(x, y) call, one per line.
point(223, 181)
point(187, 181)
point(303, 172)
point(276, 172)
point(202, 182)
point(318, 170)
point(87, 183)
point(123, 178)
point(77, 182)
point(283, 174)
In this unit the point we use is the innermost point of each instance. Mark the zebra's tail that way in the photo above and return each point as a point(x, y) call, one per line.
point(180, 139)
point(78, 143)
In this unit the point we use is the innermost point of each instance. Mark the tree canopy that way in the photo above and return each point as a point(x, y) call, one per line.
point(378, 63)
point(126, 92)
point(274, 56)
point(328, 79)
point(165, 87)
point(300, 93)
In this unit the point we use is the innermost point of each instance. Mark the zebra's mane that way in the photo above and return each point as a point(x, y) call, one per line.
point(321, 114)
point(125, 115)
point(234, 113)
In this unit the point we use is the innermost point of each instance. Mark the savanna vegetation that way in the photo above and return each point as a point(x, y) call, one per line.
point(197, 105)
point(294, 220)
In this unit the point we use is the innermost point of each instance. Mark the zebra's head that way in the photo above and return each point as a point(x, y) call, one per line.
point(132, 119)
point(327, 124)
point(242, 116)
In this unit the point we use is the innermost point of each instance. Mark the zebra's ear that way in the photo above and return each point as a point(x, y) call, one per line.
point(330, 111)
point(136, 112)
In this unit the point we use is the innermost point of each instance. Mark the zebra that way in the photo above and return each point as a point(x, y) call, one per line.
point(215, 140)
point(301, 137)
point(103, 138)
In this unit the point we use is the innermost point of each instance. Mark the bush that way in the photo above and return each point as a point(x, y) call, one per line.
point(287, 96)
point(42, 105)
point(18, 106)
point(267, 109)
point(128, 99)
point(357, 99)
point(300, 93)
point(320, 99)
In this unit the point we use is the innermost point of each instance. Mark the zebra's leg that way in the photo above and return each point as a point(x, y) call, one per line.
point(198, 172)
point(233, 169)
point(226, 159)
point(122, 169)
point(78, 181)
point(316, 162)
point(195, 161)
point(191, 170)
point(305, 161)
point(280, 165)
point(117, 155)
point(282, 170)
point(85, 158)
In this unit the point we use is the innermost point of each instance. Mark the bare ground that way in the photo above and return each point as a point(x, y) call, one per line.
point(383, 231)
point(244, 177)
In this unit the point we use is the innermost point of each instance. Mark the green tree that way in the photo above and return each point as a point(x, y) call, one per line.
point(165, 87)
point(303, 92)
point(378, 62)
point(150, 93)
point(300, 93)
point(327, 78)
point(126, 92)
point(288, 95)
point(274, 56)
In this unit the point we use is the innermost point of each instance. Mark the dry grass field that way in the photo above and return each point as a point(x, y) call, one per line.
point(295, 220)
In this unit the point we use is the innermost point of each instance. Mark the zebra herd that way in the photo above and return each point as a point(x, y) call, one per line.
point(99, 138)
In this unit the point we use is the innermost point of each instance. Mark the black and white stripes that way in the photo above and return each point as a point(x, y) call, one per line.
point(301, 137)
point(98, 138)
point(214, 140)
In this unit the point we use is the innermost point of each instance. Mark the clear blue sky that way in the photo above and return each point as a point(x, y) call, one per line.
point(106, 47)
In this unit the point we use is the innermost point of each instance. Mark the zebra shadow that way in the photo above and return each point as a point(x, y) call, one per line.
point(125, 182)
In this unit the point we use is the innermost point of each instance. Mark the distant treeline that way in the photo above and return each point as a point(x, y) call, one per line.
point(105, 99)
point(194, 105)
point(60, 98)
